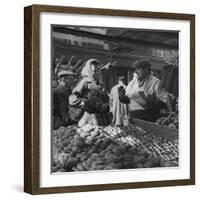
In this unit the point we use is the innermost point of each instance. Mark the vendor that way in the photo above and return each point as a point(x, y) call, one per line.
point(144, 94)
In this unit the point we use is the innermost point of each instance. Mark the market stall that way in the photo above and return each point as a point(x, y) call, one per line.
point(141, 144)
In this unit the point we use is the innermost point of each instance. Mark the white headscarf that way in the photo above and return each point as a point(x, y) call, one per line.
point(87, 69)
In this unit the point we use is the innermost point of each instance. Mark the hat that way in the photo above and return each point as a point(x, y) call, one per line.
point(142, 63)
point(66, 73)
point(121, 78)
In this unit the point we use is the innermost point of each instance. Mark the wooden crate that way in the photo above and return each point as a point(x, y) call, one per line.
point(157, 130)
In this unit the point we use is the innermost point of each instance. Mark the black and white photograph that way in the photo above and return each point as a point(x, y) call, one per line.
point(114, 98)
point(109, 99)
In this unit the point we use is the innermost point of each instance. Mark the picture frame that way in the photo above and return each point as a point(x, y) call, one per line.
point(32, 93)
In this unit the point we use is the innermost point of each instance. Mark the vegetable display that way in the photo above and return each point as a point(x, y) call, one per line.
point(107, 148)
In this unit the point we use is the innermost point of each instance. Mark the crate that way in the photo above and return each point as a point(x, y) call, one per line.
point(157, 130)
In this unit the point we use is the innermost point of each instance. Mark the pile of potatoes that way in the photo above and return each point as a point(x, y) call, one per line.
point(170, 121)
point(107, 148)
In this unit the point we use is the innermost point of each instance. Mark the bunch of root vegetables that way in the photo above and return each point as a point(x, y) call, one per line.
point(93, 148)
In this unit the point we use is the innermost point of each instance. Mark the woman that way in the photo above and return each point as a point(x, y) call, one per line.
point(88, 96)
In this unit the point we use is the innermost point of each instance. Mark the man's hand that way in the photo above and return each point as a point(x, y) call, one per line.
point(151, 99)
point(121, 91)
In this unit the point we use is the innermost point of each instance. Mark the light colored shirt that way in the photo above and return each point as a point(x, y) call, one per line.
point(118, 109)
point(149, 86)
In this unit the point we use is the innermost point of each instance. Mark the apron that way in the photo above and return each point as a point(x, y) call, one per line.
point(138, 106)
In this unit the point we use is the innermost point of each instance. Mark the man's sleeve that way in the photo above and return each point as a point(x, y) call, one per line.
point(161, 93)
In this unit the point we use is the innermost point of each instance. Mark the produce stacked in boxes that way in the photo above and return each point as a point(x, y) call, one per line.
point(105, 148)
point(171, 120)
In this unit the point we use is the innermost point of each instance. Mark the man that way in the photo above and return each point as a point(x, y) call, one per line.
point(118, 109)
point(145, 94)
point(61, 99)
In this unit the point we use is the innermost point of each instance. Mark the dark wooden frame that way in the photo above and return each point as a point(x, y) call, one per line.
point(32, 106)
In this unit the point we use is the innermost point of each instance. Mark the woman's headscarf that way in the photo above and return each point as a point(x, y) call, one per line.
point(87, 69)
